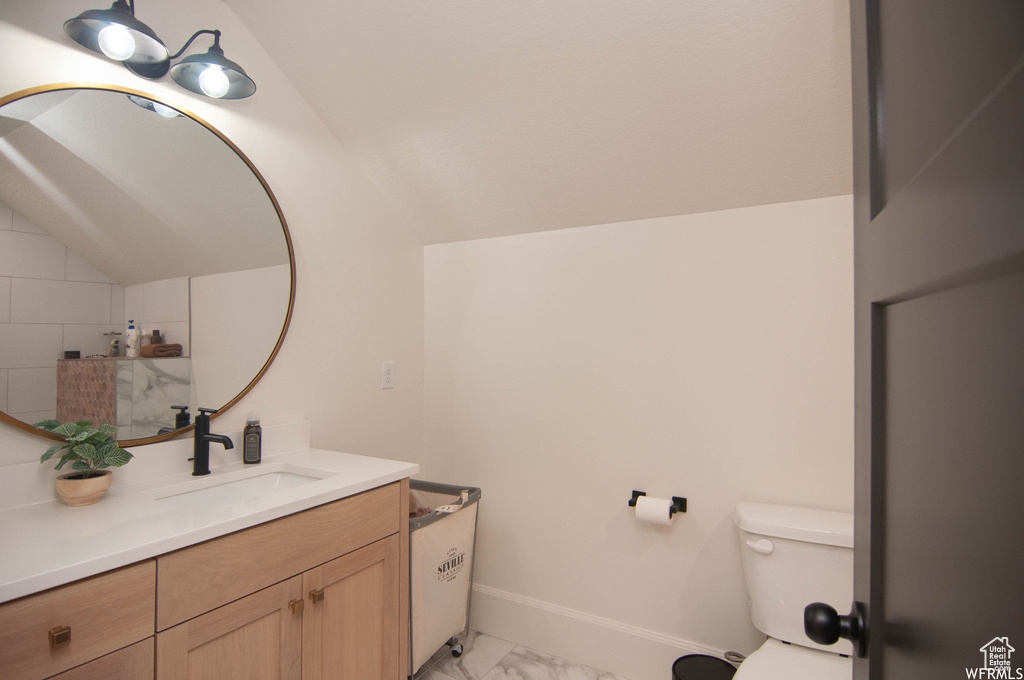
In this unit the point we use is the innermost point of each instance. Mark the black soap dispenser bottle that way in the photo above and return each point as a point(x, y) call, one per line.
point(252, 449)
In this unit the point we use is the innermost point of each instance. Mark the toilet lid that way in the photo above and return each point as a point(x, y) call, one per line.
point(776, 660)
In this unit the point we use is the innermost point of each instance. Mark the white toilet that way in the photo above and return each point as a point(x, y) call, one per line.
point(791, 558)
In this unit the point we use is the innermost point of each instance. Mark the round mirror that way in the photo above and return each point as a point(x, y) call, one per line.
point(116, 207)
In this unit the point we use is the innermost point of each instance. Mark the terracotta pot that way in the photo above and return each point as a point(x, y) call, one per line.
point(77, 492)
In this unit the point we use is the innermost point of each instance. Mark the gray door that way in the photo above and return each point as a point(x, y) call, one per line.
point(938, 91)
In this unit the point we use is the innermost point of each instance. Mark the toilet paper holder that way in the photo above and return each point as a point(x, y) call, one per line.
point(678, 503)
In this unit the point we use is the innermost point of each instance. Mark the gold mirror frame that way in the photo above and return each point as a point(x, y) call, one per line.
point(273, 200)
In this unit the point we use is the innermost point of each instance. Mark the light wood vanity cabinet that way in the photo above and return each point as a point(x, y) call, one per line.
point(321, 594)
point(336, 619)
point(339, 621)
point(45, 634)
point(199, 578)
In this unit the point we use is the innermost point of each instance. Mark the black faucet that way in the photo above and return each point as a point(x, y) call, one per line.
point(181, 419)
point(201, 451)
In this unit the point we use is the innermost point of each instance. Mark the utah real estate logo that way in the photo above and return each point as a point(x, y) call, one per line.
point(996, 659)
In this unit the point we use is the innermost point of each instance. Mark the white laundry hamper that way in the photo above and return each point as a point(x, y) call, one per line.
point(441, 550)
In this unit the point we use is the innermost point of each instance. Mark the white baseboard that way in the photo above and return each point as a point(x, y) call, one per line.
point(624, 650)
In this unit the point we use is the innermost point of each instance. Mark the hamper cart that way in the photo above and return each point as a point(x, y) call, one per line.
point(441, 547)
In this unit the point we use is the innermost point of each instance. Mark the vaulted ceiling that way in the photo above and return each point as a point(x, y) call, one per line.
point(483, 118)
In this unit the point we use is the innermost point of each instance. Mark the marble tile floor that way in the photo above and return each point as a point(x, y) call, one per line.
point(488, 658)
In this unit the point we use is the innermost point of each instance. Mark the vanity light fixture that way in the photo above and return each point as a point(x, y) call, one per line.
point(155, 107)
point(117, 34)
point(212, 74)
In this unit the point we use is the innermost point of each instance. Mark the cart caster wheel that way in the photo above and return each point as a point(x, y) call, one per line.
point(457, 650)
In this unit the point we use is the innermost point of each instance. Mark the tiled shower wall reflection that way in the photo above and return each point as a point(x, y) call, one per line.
point(135, 394)
point(53, 300)
point(146, 390)
point(163, 306)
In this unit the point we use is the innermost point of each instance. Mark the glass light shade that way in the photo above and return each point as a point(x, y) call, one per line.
point(116, 42)
point(165, 111)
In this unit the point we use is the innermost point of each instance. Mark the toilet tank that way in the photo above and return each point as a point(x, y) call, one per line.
point(791, 558)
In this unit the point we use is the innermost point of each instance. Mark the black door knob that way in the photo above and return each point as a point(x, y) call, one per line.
point(824, 625)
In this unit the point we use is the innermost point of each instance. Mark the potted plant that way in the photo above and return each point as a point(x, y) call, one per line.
point(90, 450)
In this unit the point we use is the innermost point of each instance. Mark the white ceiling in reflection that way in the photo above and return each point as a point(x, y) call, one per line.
point(142, 197)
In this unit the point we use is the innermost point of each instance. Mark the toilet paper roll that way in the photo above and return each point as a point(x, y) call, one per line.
point(654, 510)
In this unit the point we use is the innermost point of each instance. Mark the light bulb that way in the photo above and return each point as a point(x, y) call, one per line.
point(214, 82)
point(116, 42)
point(165, 111)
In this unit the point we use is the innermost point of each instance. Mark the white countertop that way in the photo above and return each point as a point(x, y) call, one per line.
point(46, 543)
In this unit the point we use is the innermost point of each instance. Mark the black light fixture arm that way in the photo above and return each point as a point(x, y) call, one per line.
point(216, 42)
point(125, 5)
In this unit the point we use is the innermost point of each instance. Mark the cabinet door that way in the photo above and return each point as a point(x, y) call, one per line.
point(258, 637)
point(352, 628)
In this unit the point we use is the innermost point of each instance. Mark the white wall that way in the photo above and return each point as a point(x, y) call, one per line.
point(360, 268)
point(160, 305)
point(247, 306)
point(708, 356)
point(51, 300)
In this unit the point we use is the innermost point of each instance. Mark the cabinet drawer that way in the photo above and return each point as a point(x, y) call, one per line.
point(198, 579)
point(104, 614)
point(130, 663)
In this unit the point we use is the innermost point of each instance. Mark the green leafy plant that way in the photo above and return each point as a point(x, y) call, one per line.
point(89, 448)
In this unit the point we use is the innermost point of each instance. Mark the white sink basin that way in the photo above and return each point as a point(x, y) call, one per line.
point(235, 487)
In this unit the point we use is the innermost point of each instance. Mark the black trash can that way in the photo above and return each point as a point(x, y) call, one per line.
point(702, 667)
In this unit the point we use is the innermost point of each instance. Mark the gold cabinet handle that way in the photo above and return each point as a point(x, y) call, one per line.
point(316, 596)
point(297, 606)
point(61, 635)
